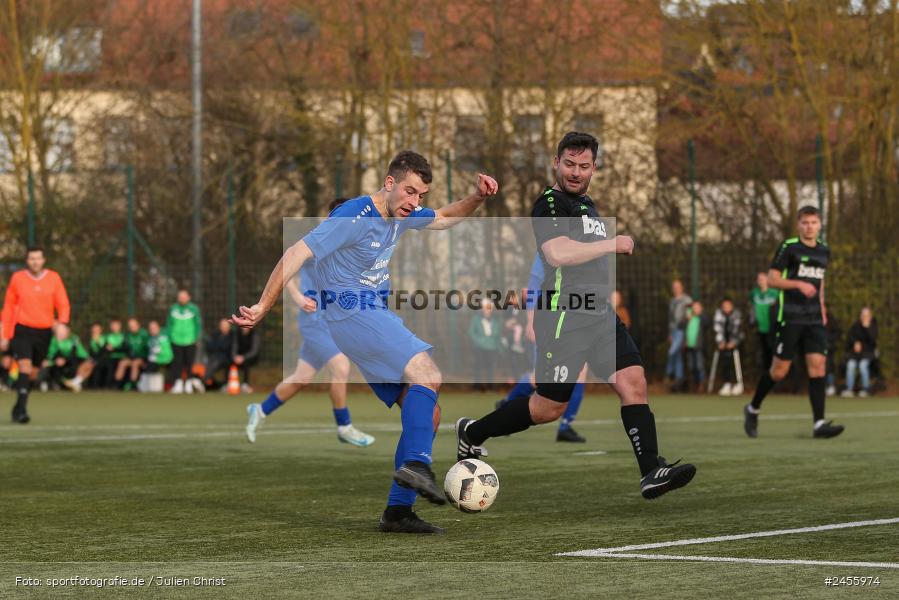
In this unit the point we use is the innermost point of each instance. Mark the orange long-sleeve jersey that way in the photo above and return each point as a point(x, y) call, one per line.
point(31, 301)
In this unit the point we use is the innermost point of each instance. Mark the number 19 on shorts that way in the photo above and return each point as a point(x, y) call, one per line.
point(560, 373)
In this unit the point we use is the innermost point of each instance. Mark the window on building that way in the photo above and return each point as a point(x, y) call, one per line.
point(7, 160)
point(591, 123)
point(530, 152)
point(118, 142)
point(417, 43)
point(78, 50)
point(469, 142)
point(60, 145)
point(300, 25)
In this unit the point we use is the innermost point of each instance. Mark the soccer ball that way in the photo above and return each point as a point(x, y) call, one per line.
point(471, 485)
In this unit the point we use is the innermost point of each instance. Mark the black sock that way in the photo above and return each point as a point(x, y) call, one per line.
point(766, 384)
point(23, 387)
point(511, 417)
point(817, 388)
point(640, 425)
point(395, 512)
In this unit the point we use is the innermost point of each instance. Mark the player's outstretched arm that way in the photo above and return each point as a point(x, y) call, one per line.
point(563, 251)
point(777, 282)
point(451, 214)
point(284, 271)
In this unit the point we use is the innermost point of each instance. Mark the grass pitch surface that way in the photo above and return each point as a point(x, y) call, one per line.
point(148, 486)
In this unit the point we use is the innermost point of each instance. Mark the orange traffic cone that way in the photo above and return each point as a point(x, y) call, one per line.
point(233, 381)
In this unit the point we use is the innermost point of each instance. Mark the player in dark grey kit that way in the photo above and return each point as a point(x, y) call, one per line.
point(575, 324)
point(798, 272)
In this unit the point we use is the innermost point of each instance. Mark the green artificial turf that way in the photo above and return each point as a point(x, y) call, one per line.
point(131, 485)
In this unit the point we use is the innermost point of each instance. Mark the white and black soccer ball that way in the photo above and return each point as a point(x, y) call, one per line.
point(471, 485)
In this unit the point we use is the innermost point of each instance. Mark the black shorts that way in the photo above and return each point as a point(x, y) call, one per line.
point(566, 342)
point(31, 344)
point(790, 338)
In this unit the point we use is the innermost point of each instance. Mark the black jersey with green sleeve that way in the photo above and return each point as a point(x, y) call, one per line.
point(797, 261)
point(581, 288)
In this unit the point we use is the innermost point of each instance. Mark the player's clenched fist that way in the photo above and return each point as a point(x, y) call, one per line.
point(487, 185)
point(249, 317)
point(624, 244)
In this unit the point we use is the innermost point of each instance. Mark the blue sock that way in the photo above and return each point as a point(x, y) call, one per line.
point(522, 388)
point(577, 394)
point(342, 416)
point(271, 404)
point(400, 496)
point(418, 423)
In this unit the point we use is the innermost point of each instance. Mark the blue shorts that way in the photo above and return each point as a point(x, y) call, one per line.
point(318, 346)
point(381, 346)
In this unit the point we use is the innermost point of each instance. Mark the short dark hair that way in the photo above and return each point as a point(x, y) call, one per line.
point(408, 161)
point(335, 203)
point(807, 211)
point(31, 249)
point(576, 140)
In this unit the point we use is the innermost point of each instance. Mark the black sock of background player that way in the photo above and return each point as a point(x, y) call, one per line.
point(511, 417)
point(766, 384)
point(640, 425)
point(817, 391)
point(23, 386)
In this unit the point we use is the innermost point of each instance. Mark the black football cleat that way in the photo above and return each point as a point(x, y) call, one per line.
point(418, 476)
point(750, 422)
point(828, 430)
point(570, 435)
point(407, 523)
point(464, 447)
point(665, 478)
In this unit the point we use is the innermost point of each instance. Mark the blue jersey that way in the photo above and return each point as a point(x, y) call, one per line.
point(535, 282)
point(308, 286)
point(352, 249)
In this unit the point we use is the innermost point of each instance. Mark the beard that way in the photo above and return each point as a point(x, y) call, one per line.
point(579, 190)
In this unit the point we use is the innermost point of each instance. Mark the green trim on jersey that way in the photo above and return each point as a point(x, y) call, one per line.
point(780, 309)
point(554, 304)
point(559, 324)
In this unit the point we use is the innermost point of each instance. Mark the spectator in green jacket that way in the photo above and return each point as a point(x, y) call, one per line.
point(763, 299)
point(184, 327)
point(485, 331)
point(117, 353)
point(67, 358)
point(136, 340)
point(159, 349)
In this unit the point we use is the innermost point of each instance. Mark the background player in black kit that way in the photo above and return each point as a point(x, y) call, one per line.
point(577, 325)
point(798, 272)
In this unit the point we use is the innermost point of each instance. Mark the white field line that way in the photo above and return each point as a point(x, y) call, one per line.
point(448, 426)
point(756, 561)
point(184, 431)
point(628, 551)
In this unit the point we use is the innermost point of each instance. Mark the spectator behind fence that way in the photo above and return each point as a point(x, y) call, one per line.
point(96, 347)
point(159, 351)
point(763, 300)
point(861, 343)
point(620, 309)
point(728, 335)
point(136, 340)
point(218, 354)
point(484, 331)
point(116, 353)
point(514, 324)
point(695, 327)
point(69, 362)
point(245, 354)
point(677, 311)
point(834, 332)
point(184, 327)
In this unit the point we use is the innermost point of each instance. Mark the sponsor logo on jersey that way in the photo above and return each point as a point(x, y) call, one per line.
point(593, 226)
point(810, 272)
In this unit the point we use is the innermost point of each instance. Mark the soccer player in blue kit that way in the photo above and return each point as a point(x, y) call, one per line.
point(352, 249)
point(317, 351)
